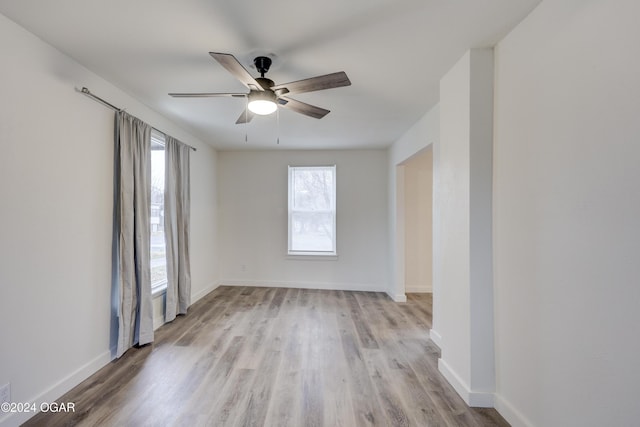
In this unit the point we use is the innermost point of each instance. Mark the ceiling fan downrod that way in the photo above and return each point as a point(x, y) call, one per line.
point(262, 64)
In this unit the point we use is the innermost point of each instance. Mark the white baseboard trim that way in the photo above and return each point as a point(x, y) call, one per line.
point(482, 399)
point(58, 389)
point(358, 287)
point(452, 377)
point(417, 290)
point(204, 292)
point(511, 414)
point(435, 337)
point(304, 285)
point(472, 398)
point(398, 297)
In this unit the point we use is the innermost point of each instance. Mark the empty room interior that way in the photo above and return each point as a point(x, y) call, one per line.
point(387, 212)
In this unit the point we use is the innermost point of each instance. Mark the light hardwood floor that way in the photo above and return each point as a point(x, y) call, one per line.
point(248, 356)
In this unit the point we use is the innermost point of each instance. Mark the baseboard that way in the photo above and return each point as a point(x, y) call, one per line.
point(57, 390)
point(204, 292)
point(472, 398)
point(452, 377)
point(304, 285)
point(417, 290)
point(435, 337)
point(482, 399)
point(398, 297)
point(511, 414)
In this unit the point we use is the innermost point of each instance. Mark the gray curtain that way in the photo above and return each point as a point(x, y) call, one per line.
point(132, 228)
point(177, 200)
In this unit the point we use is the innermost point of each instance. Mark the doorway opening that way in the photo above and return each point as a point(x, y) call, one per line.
point(414, 226)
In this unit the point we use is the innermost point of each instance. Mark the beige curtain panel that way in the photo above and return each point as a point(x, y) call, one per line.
point(132, 229)
point(177, 200)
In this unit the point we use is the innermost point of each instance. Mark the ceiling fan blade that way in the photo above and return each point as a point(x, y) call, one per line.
point(302, 108)
point(206, 95)
point(328, 81)
point(233, 66)
point(245, 117)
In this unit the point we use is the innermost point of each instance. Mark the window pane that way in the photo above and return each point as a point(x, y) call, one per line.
point(312, 215)
point(312, 231)
point(313, 189)
point(158, 253)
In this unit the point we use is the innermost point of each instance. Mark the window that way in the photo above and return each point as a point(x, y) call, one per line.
point(312, 210)
point(158, 257)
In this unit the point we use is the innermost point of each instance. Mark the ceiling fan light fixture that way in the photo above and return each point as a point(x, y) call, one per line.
point(262, 103)
point(262, 107)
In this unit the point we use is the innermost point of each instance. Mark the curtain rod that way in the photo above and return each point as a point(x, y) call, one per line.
point(88, 93)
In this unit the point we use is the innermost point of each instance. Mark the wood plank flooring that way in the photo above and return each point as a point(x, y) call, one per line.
point(247, 356)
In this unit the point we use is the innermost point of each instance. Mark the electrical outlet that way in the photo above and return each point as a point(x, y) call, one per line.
point(5, 393)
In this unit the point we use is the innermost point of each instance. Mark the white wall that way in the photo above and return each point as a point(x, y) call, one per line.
point(253, 220)
point(423, 133)
point(56, 175)
point(418, 206)
point(463, 298)
point(567, 210)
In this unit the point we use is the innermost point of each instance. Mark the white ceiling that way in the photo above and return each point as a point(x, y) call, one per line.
point(394, 52)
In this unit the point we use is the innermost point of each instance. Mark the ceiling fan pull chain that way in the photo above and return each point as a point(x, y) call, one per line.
point(246, 121)
point(278, 122)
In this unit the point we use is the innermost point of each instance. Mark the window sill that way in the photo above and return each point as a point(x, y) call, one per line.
point(159, 289)
point(312, 256)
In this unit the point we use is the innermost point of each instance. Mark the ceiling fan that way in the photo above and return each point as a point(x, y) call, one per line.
point(264, 96)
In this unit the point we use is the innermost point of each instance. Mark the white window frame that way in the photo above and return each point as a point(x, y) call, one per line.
point(159, 287)
point(291, 211)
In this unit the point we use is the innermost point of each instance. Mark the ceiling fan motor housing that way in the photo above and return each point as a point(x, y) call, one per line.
point(266, 95)
point(265, 83)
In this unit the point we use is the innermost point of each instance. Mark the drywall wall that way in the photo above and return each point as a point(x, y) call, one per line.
point(56, 190)
point(462, 279)
point(252, 198)
point(566, 210)
point(418, 206)
point(424, 133)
